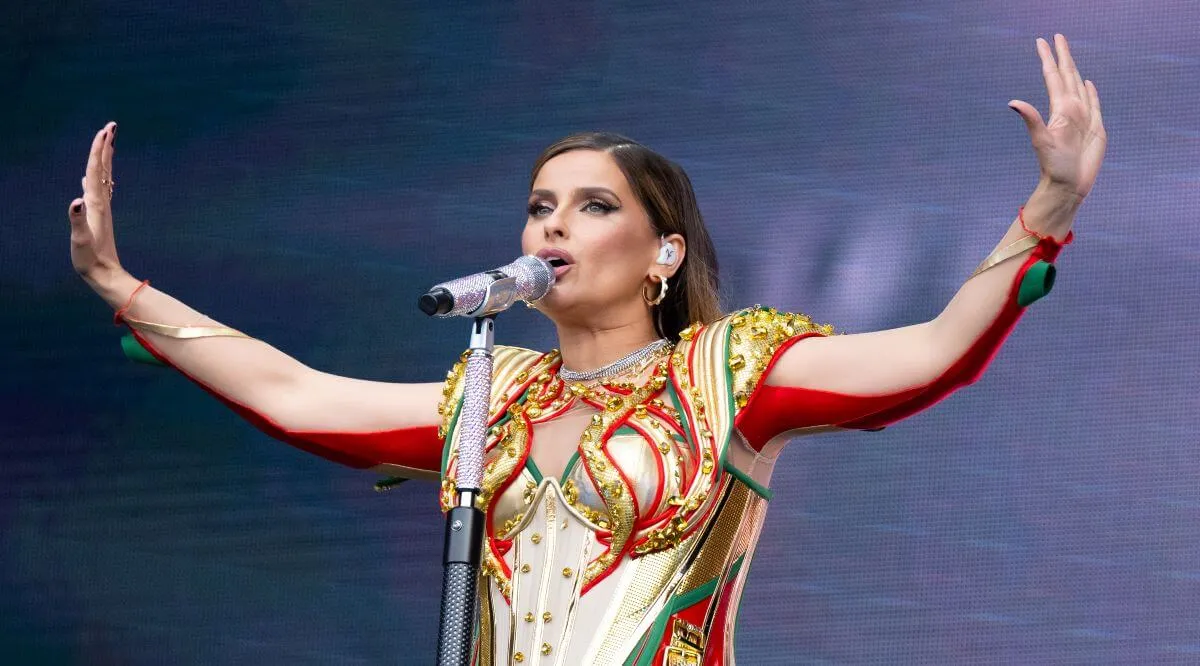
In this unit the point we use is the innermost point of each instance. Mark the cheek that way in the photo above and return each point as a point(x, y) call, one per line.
point(617, 256)
point(529, 239)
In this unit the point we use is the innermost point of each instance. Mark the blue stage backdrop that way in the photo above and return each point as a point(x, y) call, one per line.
point(302, 170)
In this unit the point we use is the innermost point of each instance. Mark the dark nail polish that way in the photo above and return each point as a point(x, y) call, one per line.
point(76, 208)
point(114, 134)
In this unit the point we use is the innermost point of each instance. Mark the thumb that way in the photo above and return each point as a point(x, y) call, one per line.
point(1033, 119)
point(77, 214)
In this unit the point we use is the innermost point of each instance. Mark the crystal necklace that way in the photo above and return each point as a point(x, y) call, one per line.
point(616, 367)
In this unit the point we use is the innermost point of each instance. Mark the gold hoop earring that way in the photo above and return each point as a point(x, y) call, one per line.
point(662, 292)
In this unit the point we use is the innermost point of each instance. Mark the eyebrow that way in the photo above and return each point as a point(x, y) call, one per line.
point(580, 191)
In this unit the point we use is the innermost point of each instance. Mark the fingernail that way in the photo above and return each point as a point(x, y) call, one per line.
point(114, 134)
point(76, 208)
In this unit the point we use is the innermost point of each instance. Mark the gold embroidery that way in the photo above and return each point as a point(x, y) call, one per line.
point(754, 337)
point(669, 534)
point(451, 392)
point(490, 568)
point(611, 485)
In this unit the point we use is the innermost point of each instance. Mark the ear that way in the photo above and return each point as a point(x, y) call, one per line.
point(672, 250)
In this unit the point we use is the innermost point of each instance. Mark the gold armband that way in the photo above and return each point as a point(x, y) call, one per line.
point(1007, 252)
point(184, 332)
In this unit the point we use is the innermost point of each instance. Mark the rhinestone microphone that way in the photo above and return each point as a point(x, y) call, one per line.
point(526, 279)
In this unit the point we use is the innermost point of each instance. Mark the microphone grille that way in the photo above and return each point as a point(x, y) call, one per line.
point(534, 276)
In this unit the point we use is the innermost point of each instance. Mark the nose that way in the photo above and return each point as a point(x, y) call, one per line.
point(554, 227)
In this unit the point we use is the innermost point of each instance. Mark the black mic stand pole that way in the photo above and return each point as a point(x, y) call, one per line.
point(464, 522)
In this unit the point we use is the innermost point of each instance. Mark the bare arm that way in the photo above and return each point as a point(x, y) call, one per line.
point(925, 361)
point(899, 359)
point(259, 376)
point(357, 422)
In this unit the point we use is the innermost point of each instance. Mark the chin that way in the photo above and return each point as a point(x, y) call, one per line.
point(562, 304)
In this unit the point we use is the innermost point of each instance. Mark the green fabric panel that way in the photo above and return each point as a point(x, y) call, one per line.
point(626, 430)
point(759, 489)
point(570, 466)
point(660, 623)
point(728, 396)
point(532, 468)
point(134, 351)
point(737, 567)
point(685, 422)
point(673, 606)
point(632, 659)
point(1038, 281)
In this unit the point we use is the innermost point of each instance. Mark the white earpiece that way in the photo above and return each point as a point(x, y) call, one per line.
point(666, 254)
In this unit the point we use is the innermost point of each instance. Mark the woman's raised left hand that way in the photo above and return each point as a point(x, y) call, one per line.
point(1070, 147)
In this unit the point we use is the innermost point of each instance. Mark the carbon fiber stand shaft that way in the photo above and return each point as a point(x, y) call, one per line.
point(458, 619)
point(464, 522)
point(464, 538)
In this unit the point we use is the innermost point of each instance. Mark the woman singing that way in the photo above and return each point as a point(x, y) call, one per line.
point(627, 473)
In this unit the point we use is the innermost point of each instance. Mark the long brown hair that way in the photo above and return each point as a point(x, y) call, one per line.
point(665, 191)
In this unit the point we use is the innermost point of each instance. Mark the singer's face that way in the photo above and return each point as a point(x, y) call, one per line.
point(583, 206)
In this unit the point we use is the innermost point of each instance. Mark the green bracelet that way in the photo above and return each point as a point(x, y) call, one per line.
point(1038, 282)
point(134, 351)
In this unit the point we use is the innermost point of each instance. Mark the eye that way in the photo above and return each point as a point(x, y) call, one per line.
point(539, 209)
point(598, 207)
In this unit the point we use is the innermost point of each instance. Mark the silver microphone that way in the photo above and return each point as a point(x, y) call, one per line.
point(526, 279)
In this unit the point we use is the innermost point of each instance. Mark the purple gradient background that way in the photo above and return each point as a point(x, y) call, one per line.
point(302, 171)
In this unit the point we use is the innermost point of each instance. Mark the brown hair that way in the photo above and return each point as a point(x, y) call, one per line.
point(665, 191)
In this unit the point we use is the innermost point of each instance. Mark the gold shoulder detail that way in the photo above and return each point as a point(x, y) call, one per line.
point(452, 390)
point(507, 366)
point(755, 334)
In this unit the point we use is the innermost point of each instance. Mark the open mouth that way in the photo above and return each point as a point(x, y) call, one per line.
point(559, 260)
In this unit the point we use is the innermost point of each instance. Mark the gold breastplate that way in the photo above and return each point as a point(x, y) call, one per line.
point(646, 526)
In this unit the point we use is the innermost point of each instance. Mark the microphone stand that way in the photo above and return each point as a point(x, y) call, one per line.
point(465, 522)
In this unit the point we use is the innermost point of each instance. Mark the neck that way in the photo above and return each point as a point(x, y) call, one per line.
point(586, 348)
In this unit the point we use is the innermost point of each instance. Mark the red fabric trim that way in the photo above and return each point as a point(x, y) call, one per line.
point(417, 447)
point(773, 409)
point(777, 409)
point(970, 366)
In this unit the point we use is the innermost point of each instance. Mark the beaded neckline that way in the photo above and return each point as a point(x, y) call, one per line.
point(616, 367)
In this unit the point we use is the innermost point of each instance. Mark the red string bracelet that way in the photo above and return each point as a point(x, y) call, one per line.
point(120, 314)
point(1041, 237)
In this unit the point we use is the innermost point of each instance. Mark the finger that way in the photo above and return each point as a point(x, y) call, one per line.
point(1097, 120)
point(1082, 93)
point(106, 152)
point(1054, 83)
point(75, 211)
point(77, 214)
point(1033, 119)
point(1067, 68)
point(92, 190)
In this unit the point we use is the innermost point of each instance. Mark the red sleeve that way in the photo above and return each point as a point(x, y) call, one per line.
point(416, 448)
point(773, 410)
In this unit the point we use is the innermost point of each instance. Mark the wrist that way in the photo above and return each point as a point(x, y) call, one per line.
point(113, 285)
point(1050, 210)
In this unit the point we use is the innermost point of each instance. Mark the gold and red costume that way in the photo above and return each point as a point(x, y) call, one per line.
point(638, 553)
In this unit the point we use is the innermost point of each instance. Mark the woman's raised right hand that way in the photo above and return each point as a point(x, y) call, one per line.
point(93, 250)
